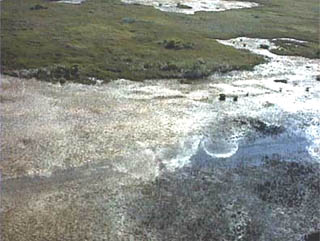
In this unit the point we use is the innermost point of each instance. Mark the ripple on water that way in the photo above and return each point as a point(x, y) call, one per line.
point(219, 148)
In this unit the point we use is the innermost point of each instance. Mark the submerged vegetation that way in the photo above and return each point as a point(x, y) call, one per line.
point(110, 39)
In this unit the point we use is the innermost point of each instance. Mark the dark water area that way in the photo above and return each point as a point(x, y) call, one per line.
point(254, 151)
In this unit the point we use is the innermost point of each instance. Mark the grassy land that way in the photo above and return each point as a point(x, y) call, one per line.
point(287, 47)
point(107, 39)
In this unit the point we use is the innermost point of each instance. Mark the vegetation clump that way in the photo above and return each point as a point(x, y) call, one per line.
point(297, 48)
point(260, 126)
point(177, 44)
point(264, 46)
point(38, 7)
point(55, 73)
point(183, 6)
point(283, 81)
point(222, 97)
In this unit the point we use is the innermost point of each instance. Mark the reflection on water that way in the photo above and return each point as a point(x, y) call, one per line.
point(253, 151)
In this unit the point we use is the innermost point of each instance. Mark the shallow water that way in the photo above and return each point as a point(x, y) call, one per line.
point(287, 105)
point(253, 152)
point(123, 154)
point(193, 5)
point(166, 122)
point(189, 6)
point(72, 1)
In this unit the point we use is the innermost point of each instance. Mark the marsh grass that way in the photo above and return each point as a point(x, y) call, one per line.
point(287, 47)
point(95, 37)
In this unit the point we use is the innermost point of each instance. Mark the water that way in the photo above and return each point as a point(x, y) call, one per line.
point(264, 104)
point(189, 6)
point(252, 152)
point(101, 149)
point(72, 1)
point(194, 5)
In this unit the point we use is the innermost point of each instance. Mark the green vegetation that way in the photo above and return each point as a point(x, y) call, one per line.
point(38, 7)
point(288, 47)
point(176, 44)
point(107, 39)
